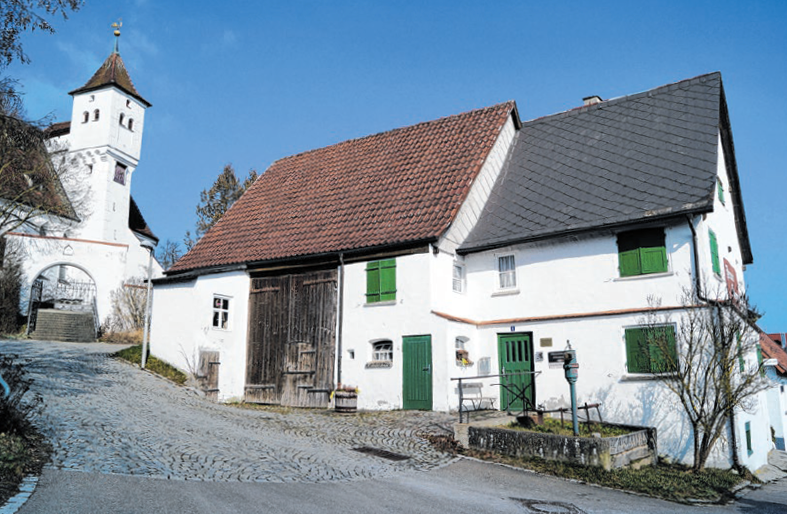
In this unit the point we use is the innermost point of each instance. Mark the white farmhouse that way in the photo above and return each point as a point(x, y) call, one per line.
point(470, 246)
point(74, 259)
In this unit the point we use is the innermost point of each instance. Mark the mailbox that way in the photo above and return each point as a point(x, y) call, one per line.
point(571, 366)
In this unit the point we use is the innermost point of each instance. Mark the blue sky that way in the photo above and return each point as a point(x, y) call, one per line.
point(249, 82)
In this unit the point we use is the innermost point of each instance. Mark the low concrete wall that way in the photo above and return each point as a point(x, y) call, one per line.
point(635, 449)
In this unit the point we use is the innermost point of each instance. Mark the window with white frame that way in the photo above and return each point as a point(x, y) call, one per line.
point(506, 269)
point(382, 351)
point(459, 278)
point(221, 312)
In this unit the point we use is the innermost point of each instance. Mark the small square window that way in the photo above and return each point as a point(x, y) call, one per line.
point(120, 174)
point(382, 351)
point(506, 268)
point(459, 278)
point(221, 312)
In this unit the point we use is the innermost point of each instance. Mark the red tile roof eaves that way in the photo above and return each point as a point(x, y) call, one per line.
point(392, 188)
point(772, 350)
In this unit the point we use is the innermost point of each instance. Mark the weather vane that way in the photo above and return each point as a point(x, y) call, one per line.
point(117, 26)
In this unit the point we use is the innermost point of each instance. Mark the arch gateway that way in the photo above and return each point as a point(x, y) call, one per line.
point(98, 241)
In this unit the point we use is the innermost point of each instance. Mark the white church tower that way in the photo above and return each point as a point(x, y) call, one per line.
point(72, 266)
point(107, 121)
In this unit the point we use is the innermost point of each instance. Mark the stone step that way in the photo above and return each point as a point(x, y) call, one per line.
point(60, 325)
point(778, 459)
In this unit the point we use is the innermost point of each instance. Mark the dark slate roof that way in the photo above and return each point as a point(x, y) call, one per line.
point(396, 188)
point(112, 73)
point(622, 161)
point(137, 223)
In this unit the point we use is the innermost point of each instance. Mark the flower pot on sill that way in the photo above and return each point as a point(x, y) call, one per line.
point(346, 401)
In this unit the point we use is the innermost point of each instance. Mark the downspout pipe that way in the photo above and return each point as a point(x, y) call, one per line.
point(340, 321)
point(698, 291)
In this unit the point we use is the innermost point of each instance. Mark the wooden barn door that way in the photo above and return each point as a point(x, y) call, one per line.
point(292, 339)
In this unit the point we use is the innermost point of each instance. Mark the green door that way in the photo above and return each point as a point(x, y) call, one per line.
point(417, 375)
point(516, 354)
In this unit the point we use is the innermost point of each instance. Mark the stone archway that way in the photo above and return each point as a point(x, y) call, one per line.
point(63, 304)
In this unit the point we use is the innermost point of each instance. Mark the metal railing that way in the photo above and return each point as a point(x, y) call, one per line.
point(515, 391)
point(6, 388)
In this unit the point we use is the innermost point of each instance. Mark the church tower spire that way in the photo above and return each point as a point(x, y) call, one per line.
point(107, 122)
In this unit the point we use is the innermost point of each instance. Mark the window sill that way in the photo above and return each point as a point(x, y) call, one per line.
point(644, 276)
point(379, 365)
point(506, 292)
point(645, 377)
point(380, 304)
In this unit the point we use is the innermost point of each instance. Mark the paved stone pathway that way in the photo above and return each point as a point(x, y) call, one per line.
point(106, 416)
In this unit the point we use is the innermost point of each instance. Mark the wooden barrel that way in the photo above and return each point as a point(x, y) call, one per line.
point(346, 401)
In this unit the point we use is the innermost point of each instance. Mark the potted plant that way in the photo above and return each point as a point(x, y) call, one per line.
point(345, 398)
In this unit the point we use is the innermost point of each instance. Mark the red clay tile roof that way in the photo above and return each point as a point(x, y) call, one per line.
point(58, 129)
point(112, 73)
point(397, 187)
point(771, 350)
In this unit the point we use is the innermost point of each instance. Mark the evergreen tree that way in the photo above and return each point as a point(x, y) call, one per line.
point(214, 202)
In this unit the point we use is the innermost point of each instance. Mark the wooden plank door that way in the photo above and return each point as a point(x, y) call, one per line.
point(417, 374)
point(266, 340)
point(292, 338)
point(310, 346)
point(515, 352)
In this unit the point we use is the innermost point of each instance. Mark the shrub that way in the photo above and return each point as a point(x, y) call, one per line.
point(17, 409)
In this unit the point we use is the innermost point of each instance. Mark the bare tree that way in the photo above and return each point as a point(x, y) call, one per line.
point(128, 306)
point(31, 173)
point(168, 253)
point(19, 16)
point(702, 360)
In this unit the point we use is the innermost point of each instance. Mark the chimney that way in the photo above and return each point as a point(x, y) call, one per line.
point(591, 100)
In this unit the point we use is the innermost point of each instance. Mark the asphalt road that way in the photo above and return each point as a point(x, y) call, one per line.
point(128, 442)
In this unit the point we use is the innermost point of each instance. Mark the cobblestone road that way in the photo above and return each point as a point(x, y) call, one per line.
point(106, 416)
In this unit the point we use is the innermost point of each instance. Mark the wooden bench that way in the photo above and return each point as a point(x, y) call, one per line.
point(472, 396)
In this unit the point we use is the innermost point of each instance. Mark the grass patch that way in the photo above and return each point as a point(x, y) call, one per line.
point(128, 337)
point(133, 354)
point(672, 482)
point(554, 426)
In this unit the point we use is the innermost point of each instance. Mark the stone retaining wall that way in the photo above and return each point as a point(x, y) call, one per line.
point(635, 449)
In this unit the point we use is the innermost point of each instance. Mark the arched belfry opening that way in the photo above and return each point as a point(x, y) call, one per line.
point(62, 304)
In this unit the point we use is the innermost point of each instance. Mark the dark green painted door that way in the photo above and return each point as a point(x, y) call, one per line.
point(417, 377)
point(515, 353)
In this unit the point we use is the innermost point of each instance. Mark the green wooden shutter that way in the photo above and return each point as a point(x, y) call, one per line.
point(741, 362)
point(714, 252)
point(372, 282)
point(637, 353)
point(629, 263)
point(759, 361)
point(662, 338)
point(388, 280)
point(654, 260)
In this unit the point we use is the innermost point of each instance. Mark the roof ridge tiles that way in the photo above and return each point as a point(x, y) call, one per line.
point(618, 99)
point(441, 119)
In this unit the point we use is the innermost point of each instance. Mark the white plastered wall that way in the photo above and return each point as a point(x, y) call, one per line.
point(182, 326)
